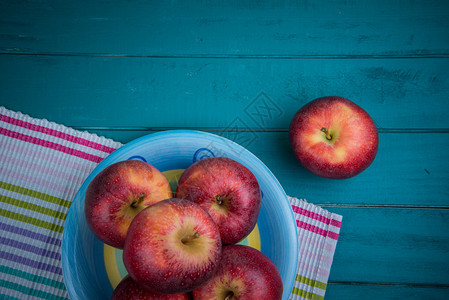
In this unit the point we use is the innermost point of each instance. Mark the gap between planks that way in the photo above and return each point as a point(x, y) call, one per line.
point(393, 284)
point(389, 206)
point(230, 56)
point(267, 130)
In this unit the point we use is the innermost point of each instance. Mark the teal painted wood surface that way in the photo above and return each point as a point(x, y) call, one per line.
point(241, 69)
point(393, 245)
point(183, 92)
point(224, 28)
point(358, 291)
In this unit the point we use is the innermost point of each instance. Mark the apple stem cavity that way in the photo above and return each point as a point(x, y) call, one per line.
point(219, 199)
point(139, 200)
point(229, 295)
point(190, 238)
point(328, 135)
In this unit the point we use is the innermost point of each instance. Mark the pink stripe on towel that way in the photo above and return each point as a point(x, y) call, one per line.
point(317, 230)
point(316, 216)
point(51, 145)
point(59, 134)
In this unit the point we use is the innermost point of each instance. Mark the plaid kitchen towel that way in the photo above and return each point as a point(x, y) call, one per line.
point(42, 166)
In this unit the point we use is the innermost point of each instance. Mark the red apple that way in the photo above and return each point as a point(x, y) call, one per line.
point(228, 191)
point(128, 289)
point(243, 273)
point(333, 137)
point(117, 194)
point(172, 247)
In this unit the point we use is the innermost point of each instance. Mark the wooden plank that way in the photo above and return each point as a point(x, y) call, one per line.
point(217, 93)
point(410, 169)
point(385, 245)
point(375, 291)
point(226, 28)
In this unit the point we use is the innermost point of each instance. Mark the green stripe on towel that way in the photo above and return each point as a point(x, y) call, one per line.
point(27, 291)
point(307, 295)
point(31, 221)
point(34, 194)
point(33, 207)
point(32, 278)
point(6, 297)
point(311, 282)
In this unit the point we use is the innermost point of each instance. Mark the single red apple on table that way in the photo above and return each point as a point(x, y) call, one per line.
point(243, 273)
point(172, 247)
point(333, 137)
point(228, 191)
point(128, 289)
point(117, 194)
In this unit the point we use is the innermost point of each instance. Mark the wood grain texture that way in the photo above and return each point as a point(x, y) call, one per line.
point(379, 291)
point(241, 69)
point(263, 94)
point(393, 246)
point(226, 28)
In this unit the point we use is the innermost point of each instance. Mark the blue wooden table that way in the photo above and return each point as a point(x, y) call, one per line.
point(241, 69)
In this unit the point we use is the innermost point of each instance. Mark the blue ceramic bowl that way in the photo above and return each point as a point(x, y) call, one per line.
point(83, 255)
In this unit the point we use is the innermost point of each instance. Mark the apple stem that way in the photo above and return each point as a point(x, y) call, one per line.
point(190, 238)
point(229, 295)
point(328, 135)
point(219, 199)
point(138, 201)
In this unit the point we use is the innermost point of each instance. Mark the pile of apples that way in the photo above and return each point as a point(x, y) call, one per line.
point(183, 247)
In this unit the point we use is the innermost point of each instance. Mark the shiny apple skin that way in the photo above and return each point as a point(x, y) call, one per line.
point(237, 187)
point(354, 137)
point(156, 255)
point(128, 289)
point(244, 272)
point(109, 198)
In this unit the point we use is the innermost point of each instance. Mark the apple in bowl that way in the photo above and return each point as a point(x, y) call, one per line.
point(117, 194)
point(333, 137)
point(228, 191)
point(243, 273)
point(128, 289)
point(172, 247)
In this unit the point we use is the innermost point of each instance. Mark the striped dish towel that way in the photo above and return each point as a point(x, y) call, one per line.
point(42, 166)
point(318, 231)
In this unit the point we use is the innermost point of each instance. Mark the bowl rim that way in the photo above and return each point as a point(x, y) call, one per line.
point(111, 158)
